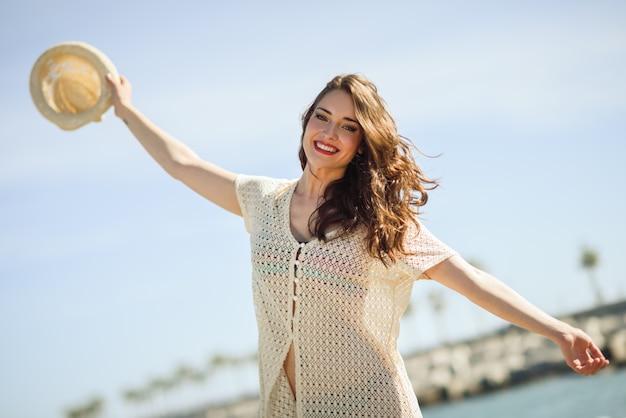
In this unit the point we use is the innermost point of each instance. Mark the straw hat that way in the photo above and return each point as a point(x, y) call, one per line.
point(68, 86)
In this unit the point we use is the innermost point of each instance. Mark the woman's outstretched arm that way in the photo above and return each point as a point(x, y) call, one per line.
point(208, 180)
point(580, 352)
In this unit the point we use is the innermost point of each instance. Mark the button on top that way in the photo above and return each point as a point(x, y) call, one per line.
point(302, 244)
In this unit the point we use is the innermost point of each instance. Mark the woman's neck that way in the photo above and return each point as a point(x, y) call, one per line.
point(313, 183)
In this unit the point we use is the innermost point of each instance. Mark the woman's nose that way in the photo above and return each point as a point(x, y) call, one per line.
point(331, 130)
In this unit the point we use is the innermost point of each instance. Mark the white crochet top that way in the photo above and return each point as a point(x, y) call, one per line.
point(347, 312)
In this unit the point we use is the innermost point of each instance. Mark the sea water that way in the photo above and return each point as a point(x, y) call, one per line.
point(566, 396)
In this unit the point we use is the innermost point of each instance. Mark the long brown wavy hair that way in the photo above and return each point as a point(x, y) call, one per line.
point(383, 188)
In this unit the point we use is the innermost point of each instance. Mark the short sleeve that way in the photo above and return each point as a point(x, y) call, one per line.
point(425, 249)
point(244, 187)
point(254, 193)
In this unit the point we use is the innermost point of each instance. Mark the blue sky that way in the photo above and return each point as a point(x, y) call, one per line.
point(111, 273)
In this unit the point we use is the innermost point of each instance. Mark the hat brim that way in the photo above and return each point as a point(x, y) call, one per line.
point(96, 60)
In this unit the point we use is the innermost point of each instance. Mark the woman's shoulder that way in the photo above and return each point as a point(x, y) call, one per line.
point(261, 185)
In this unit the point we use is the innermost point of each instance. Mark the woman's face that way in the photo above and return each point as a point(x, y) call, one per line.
point(332, 136)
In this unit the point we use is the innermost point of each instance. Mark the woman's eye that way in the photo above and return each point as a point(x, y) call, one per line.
point(320, 116)
point(350, 128)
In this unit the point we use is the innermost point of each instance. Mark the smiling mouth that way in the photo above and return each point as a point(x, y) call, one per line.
point(325, 148)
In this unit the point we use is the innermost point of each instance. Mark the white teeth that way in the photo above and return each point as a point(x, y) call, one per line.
point(326, 148)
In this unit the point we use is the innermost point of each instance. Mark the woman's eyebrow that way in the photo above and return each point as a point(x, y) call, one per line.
point(330, 113)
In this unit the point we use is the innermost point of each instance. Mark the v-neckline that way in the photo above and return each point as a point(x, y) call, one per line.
point(286, 218)
point(287, 215)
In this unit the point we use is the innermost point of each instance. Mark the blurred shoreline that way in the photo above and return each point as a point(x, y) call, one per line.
point(510, 356)
point(498, 360)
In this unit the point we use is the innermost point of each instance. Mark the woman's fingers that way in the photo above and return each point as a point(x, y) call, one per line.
point(121, 92)
point(589, 361)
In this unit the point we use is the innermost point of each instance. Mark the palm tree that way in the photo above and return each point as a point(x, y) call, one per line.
point(410, 313)
point(162, 387)
point(219, 361)
point(589, 262)
point(196, 378)
point(183, 376)
point(91, 409)
point(136, 397)
point(437, 302)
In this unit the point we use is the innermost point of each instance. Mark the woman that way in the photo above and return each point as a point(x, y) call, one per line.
point(335, 254)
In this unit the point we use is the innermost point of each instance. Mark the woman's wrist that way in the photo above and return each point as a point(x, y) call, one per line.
point(563, 333)
point(125, 112)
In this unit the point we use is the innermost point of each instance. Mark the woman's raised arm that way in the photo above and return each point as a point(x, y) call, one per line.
point(579, 351)
point(208, 180)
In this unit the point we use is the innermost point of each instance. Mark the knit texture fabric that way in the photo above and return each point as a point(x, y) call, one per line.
point(337, 305)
